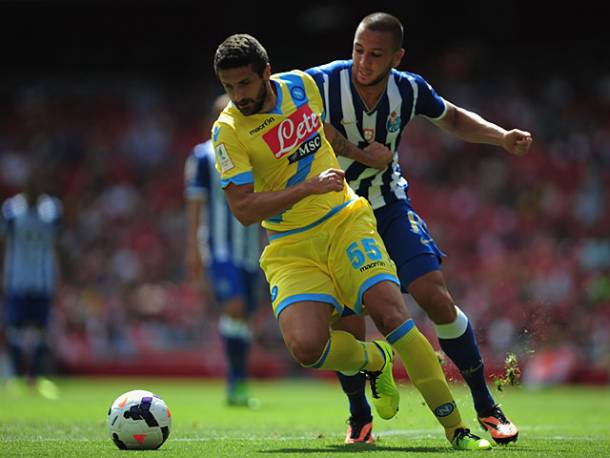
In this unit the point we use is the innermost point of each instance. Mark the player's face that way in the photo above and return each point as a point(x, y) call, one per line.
point(246, 88)
point(373, 56)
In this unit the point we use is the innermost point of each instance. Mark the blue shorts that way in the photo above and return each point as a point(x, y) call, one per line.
point(408, 242)
point(230, 281)
point(22, 310)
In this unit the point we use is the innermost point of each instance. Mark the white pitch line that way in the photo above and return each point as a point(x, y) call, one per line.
point(418, 434)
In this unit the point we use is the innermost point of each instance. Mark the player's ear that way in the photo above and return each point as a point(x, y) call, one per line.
point(398, 56)
point(267, 72)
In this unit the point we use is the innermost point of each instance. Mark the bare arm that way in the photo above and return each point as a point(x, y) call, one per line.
point(250, 207)
point(473, 128)
point(374, 155)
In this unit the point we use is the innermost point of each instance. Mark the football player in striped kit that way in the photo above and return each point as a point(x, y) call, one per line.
point(223, 254)
point(370, 102)
point(29, 225)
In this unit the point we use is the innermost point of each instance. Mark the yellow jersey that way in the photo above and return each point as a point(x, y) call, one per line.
point(279, 149)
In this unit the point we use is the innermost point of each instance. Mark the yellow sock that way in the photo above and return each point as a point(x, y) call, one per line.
point(346, 354)
point(426, 374)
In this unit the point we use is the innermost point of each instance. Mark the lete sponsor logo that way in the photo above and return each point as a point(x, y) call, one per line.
point(292, 131)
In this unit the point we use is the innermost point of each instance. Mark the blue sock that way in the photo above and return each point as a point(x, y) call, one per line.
point(236, 336)
point(353, 387)
point(38, 360)
point(236, 350)
point(464, 352)
point(15, 351)
point(16, 359)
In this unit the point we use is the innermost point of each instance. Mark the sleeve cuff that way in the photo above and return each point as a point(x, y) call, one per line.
point(239, 179)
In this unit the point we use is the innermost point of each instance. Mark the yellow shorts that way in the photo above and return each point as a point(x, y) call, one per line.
point(335, 261)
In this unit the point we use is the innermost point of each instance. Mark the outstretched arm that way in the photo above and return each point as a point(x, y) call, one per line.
point(471, 127)
point(374, 155)
point(250, 207)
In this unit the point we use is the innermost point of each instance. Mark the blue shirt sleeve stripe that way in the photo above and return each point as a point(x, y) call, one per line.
point(241, 178)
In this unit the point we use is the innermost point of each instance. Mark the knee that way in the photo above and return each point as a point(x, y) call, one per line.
point(307, 350)
point(435, 300)
point(353, 324)
point(440, 306)
point(386, 307)
point(235, 308)
point(393, 316)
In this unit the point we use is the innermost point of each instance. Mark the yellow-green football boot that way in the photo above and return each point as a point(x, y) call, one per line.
point(463, 439)
point(385, 394)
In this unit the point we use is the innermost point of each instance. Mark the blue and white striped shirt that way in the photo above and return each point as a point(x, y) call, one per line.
point(406, 95)
point(226, 238)
point(31, 231)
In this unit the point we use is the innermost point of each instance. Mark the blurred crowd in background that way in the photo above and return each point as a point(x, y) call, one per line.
point(527, 239)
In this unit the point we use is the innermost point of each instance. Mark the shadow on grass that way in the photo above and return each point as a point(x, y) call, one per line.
point(357, 448)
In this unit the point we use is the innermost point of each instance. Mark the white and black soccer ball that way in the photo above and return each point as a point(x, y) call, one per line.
point(139, 420)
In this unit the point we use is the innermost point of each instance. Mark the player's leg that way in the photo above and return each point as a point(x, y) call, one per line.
point(360, 422)
point(453, 329)
point(38, 311)
point(455, 334)
point(16, 365)
point(39, 308)
point(14, 330)
point(236, 336)
point(239, 312)
point(369, 267)
point(14, 339)
point(304, 300)
point(385, 306)
point(40, 351)
point(456, 338)
point(232, 295)
point(417, 259)
point(305, 328)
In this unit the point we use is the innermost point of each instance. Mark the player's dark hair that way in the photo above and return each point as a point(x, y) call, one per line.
point(241, 50)
point(384, 22)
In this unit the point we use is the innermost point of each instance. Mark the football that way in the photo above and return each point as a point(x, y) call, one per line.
point(139, 420)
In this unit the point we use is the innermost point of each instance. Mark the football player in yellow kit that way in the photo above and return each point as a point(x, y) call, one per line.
point(325, 258)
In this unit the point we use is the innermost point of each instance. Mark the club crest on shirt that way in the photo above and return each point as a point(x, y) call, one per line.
point(298, 93)
point(393, 124)
point(369, 134)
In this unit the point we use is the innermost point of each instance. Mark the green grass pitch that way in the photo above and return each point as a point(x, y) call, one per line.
point(296, 419)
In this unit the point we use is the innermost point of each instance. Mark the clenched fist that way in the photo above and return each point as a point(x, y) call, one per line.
point(327, 181)
point(517, 142)
point(379, 156)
